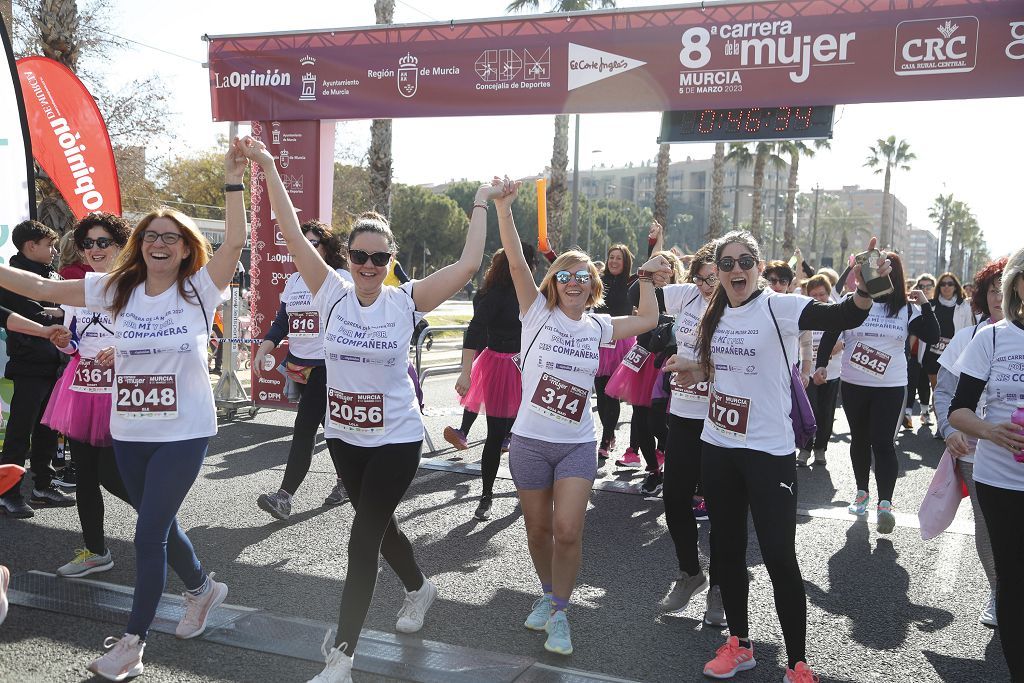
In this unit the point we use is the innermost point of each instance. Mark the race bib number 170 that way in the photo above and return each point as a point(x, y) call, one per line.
point(729, 415)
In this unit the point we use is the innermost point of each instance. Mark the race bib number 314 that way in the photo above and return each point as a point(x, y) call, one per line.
point(560, 400)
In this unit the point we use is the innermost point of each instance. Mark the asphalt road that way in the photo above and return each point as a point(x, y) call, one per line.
point(880, 608)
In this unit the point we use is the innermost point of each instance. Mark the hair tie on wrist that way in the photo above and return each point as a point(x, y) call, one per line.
point(233, 187)
point(480, 206)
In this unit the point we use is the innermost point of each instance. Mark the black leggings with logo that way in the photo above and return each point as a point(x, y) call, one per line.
point(874, 414)
point(309, 416)
point(1003, 509)
point(682, 480)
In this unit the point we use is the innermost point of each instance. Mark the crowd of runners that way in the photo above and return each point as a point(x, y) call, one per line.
point(733, 368)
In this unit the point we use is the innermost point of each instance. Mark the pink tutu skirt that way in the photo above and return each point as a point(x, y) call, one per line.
point(77, 415)
point(635, 388)
point(495, 385)
point(611, 357)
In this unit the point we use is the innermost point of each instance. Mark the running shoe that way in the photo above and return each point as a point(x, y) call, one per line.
point(339, 664)
point(506, 444)
point(66, 477)
point(483, 510)
point(5, 580)
point(684, 588)
point(629, 459)
point(700, 510)
point(908, 421)
point(730, 659)
point(16, 506)
point(652, 485)
point(559, 637)
point(926, 417)
point(122, 660)
point(414, 609)
point(606, 448)
point(337, 496)
point(278, 504)
point(714, 614)
point(198, 608)
point(886, 519)
point(987, 616)
point(859, 506)
point(801, 673)
point(540, 613)
point(660, 456)
point(51, 496)
point(819, 457)
point(86, 562)
point(802, 457)
point(456, 437)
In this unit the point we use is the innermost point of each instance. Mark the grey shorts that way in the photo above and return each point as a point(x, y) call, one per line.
point(537, 464)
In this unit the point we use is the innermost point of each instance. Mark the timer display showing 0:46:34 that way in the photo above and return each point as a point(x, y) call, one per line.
point(750, 123)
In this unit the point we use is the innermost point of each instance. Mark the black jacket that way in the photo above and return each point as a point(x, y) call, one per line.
point(31, 356)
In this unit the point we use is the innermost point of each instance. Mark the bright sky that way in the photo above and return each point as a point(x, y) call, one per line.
point(958, 145)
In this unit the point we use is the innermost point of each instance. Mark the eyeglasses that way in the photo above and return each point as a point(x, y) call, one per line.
point(581, 276)
point(727, 263)
point(315, 243)
point(167, 238)
point(774, 280)
point(379, 258)
point(926, 285)
point(100, 242)
point(710, 280)
point(947, 283)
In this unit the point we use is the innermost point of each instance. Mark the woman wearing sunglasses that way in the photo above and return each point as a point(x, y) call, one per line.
point(553, 454)
point(615, 283)
point(374, 429)
point(953, 311)
point(79, 407)
point(305, 369)
point(161, 295)
point(745, 345)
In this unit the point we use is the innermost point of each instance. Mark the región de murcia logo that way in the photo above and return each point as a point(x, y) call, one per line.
point(408, 75)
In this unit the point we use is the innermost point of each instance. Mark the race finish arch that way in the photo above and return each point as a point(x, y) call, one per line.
point(293, 86)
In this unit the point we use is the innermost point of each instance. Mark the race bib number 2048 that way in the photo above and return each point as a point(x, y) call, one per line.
point(152, 397)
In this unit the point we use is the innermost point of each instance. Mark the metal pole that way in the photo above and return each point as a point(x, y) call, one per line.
point(575, 231)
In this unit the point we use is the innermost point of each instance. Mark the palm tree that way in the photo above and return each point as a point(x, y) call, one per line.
point(886, 155)
point(57, 25)
point(766, 155)
point(939, 212)
point(661, 185)
point(795, 149)
point(740, 156)
point(964, 230)
point(717, 183)
point(380, 135)
point(558, 183)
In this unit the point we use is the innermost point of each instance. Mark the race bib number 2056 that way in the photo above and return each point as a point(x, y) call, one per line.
point(356, 412)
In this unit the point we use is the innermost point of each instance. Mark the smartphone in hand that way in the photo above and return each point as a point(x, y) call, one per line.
point(877, 286)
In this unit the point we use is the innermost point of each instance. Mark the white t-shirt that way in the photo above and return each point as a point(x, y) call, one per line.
point(559, 364)
point(161, 379)
point(948, 360)
point(1003, 370)
point(750, 395)
point(835, 363)
point(305, 333)
point(93, 327)
point(686, 303)
point(875, 353)
point(371, 400)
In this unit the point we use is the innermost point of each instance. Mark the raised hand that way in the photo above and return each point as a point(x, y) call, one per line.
point(655, 230)
point(234, 162)
point(917, 296)
point(254, 150)
point(660, 270)
point(503, 191)
point(884, 266)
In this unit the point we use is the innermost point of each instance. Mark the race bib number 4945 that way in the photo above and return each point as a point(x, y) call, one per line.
point(355, 412)
point(560, 400)
point(152, 397)
point(870, 360)
point(729, 415)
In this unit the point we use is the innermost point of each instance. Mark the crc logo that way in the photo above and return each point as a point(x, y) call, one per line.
point(936, 46)
point(1015, 50)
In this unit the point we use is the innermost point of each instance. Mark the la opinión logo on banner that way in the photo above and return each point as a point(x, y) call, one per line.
point(936, 46)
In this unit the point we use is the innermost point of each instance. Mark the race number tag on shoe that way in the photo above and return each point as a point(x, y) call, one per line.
point(694, 392)
point(146, 396)
point(870, 360)
point(559, 400)
point(939, 347)
point(635, 359)
point(355, 412)
point(304, 324)
point(729, 415)
point(92, 378)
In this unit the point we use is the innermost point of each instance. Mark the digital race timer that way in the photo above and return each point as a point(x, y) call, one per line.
point(749, 123)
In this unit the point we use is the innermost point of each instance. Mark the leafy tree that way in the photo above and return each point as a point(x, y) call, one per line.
point(661, 184)
point(740, 156)
point(380, 135)
point(351, 194)
point(717, 188)
point(430, 228)
point(887, 155)
point(795, 149)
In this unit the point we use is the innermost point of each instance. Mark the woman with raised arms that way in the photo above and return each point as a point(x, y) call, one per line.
point(374, 430)
point(746, 348)
point(553, 454)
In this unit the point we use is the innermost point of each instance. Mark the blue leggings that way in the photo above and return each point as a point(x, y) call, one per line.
point(157, 477)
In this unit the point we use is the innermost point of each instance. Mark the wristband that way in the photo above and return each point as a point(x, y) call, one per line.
point(233, 187)
point(645, 276)
point(480, 206)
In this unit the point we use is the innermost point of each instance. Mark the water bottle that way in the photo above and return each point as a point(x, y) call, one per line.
point(1018, 419)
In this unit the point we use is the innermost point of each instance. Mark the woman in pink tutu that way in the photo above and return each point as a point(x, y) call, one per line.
point(491, 382)
point(615, 278)
point(79, 406)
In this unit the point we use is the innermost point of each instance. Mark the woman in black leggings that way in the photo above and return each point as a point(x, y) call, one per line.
point(747, 347)
point(374, 429)
point(492, 382)
point(615, 280)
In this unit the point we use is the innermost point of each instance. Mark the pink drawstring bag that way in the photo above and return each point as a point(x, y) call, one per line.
point(942, 499)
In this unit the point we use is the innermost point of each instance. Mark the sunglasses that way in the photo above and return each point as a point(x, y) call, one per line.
point(773, 280)
point(727, 263)
point(167, 238)
point(710, 280)
point(581, 276)
point(101, 242)
point(359, 257)
point(947, 283)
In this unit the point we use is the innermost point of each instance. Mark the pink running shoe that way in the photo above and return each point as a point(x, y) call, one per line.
point(122, 660)
point(456, 438)
point(660, 455)
point(629, 459)
point(730, 659)
point(198, 608)
point(801, 673)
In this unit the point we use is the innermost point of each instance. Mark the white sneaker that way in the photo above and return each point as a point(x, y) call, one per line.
point(339, 664)
point(122, 660)
point(86, 562)
point(5, 580)
point(198, 608)
point(926, 417)
point(414, 609)
point(988, 615)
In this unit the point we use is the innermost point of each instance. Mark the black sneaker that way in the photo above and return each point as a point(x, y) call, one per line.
point(16, 506)
point(52, 496)
point(66, 477)
point(652, 485)
point(483, 510)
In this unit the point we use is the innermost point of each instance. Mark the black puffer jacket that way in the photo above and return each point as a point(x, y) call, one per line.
point(31, 356)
